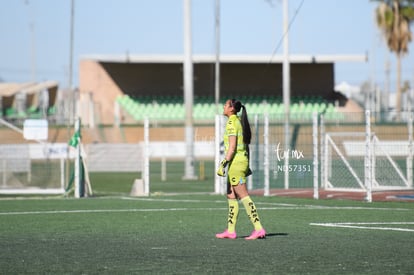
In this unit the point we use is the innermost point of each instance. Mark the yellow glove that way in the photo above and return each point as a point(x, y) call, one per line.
point(221, 171)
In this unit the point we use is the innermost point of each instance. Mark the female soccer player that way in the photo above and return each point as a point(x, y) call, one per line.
point(237, 138)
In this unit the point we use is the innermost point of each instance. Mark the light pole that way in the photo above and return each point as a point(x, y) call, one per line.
point(217, 66)
point(72, 17)
point(286, 85)
point(32, 43)
point(188, 94)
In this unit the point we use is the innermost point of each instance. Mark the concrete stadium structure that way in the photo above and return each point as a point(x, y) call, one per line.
point(103, 78)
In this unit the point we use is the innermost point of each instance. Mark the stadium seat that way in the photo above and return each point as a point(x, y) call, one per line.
point(204, 108)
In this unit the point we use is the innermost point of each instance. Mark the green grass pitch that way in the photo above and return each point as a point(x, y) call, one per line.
point(165, 233)
point(175, 235)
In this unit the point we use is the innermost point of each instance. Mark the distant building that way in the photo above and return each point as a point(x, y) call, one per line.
point(103, 78)
point(28, 100)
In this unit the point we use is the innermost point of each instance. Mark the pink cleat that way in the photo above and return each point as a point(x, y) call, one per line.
point(226, 235)
point(257, 234)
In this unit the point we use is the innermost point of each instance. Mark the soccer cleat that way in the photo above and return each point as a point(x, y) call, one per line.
point(257, 234)
point(226, 235)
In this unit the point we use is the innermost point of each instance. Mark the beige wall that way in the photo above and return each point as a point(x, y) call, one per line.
point(94, 79)
point(106, 80)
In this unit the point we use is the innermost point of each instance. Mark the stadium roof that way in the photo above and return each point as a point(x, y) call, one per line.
point(168, 59)
point(40, 86)
point(9, 89)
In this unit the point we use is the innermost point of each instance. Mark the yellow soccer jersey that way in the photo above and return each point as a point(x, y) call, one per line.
point(234, 128)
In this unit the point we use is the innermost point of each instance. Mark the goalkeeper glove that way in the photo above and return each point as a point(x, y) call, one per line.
point(221, 171)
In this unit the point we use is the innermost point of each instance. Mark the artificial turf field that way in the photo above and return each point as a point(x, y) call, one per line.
point(173, 232)
point(175, 235)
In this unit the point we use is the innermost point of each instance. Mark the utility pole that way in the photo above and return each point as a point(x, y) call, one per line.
point(217, 67)
point(32, 42)
point(286, 85)
point(387, 84)
point(72, 17)
point(188, 94)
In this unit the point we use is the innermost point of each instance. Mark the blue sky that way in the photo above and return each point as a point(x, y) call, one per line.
point(35, 34)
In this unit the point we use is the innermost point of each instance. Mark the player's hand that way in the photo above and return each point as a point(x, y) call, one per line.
point(221, 171)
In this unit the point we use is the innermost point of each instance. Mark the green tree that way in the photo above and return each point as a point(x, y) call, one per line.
point(394, 18)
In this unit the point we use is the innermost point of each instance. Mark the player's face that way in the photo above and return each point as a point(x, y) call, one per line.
point(227, 108)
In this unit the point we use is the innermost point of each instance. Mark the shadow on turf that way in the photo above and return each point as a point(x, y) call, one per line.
point(269, 235)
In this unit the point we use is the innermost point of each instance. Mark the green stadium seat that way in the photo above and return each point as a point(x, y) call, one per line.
point(51, 111)
point(172, 107)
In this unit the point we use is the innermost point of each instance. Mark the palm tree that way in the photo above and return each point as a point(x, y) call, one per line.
point(394, 18)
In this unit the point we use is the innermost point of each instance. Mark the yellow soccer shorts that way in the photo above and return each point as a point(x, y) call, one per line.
point(238, 170)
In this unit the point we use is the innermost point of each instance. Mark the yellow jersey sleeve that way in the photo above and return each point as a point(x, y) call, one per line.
point(234, 128)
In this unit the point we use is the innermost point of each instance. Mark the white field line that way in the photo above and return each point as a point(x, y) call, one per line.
point(85, 211)
point(279, 205)
point(293, 192)
point(82, 211)
point(360, 225)
point(273, 205)
point(266, 206)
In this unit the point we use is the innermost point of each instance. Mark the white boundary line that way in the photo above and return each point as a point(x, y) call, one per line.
point(82, 211)
point(279, 205)
point(359, 225)
point(86, 211)
point(267, 206)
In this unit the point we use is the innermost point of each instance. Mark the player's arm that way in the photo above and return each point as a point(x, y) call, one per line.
point(221, 171)
point(232, 148)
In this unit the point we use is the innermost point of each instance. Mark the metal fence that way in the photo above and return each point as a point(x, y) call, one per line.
point(355, 153)
point(300, 159)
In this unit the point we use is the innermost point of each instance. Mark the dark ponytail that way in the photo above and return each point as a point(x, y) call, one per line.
point(247, 132)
